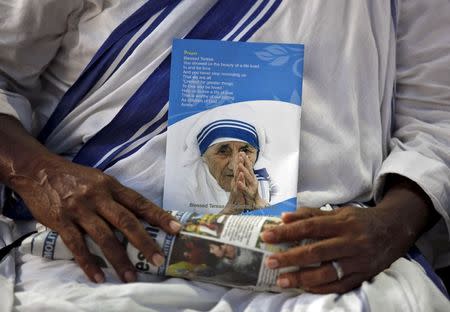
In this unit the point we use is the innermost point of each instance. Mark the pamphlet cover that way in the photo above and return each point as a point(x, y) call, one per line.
point(233, 127)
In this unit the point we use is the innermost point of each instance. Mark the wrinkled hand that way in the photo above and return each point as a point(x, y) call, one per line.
point(244, 182)
point(363, 241)
point(244, 187)
point(72, 200)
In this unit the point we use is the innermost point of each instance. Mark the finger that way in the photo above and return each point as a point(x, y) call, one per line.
point(249, 184)
point(324, 274)
point(304, 213)
point(129, 225)
point(74, 241)
point(320, 251)
point(145, 209)
point(114, 251)
point(236, 175)
point(314, 227)
point(238, 161)
point(247, 163)
point(344, 285)
point(241, 178)
point(241, 183)
point(233, 182)
point(294, 280)
point(249, 177)
point(238, 170)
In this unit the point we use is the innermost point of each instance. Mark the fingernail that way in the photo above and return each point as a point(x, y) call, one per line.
point(283, 282)
point(158, 260)
point(99, 278)
point(175, 226)
point(268, 236)
point(272, 263)
point(130, 276)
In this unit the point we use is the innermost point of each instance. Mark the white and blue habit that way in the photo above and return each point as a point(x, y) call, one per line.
point(77, 74)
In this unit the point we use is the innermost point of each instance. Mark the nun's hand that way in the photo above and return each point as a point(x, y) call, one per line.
point(360, 241)
point(244, 187)
point(73, 200)
point(245, 180)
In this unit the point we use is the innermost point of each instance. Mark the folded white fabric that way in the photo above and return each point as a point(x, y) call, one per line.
point(7, 270)
point(61, 286)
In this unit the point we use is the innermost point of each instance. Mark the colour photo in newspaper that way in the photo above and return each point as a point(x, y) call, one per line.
point(234, 126)
point(220, 249)
point(225, 250)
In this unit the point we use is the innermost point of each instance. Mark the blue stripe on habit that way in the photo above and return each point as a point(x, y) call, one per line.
point(154, 92)
point(415, 254)
point(261, 174)
point(101, 61)
point(226, 123)
point(142, 107)
point(394, 13)
point(111, 159)
point(261, 22)
point(249, 20)
point(147, 32)
point(228, 132)
point(151, 97)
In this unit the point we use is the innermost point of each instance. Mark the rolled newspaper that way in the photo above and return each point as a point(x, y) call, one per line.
point(221, 249)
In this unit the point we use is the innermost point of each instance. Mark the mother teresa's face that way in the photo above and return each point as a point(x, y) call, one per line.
point(222, 159)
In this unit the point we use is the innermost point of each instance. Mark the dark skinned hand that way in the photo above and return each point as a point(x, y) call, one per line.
point(363, 241)
point(75, 200)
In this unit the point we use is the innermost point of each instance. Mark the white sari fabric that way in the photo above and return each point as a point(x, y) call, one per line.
point(353, 132)
point(42, 285)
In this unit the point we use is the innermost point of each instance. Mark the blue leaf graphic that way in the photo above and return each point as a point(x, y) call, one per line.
point(280, 61)
point(265, 56)
point(277, 50)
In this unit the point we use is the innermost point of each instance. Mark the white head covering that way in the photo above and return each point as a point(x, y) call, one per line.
point(227, 129)
point(234, 122)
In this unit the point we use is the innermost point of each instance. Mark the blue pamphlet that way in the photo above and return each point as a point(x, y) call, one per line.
point(234, 127)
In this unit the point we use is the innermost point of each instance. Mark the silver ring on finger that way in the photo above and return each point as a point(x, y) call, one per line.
point(339, 271)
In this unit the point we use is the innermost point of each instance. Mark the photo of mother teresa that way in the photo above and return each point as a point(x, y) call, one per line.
point(230, 149)
point(233, 158)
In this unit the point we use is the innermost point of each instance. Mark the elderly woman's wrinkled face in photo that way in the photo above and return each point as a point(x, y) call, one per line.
point(222, 158)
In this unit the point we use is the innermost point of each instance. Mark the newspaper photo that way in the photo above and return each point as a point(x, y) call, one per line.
point(233, 126)
point(221, 249)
